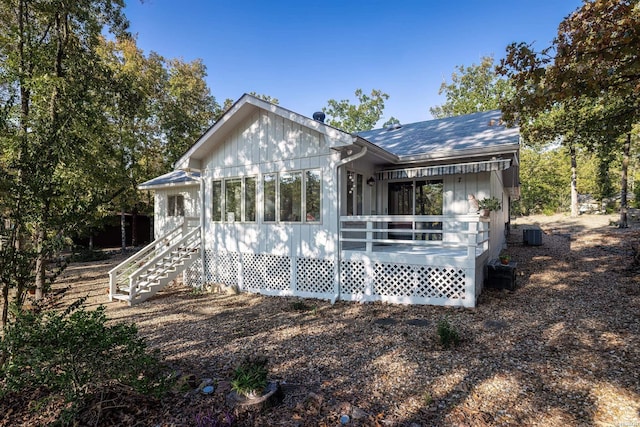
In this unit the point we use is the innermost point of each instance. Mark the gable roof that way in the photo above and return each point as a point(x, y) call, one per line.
point(174, 178)
point(478, 132)
point(242, 108)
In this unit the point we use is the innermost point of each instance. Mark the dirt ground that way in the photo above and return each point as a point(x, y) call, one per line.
point(562, 349)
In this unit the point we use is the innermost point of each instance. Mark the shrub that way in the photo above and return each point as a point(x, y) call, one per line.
point(86, 255)
point(250, 377)
point(75, 353)
point(447, 334)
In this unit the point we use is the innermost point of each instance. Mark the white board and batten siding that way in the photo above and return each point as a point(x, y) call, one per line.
point(163, 223)
point(276, 254)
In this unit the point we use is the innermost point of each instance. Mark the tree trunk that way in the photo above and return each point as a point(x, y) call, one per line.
point(134, 228)
point(41, 263)
point(123, 232)
point(623, 187)
point(574, 182)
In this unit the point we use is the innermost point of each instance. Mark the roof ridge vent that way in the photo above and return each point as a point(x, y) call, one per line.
point(394, 126)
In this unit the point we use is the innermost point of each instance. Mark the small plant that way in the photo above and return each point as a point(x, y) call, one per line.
point(447, 334)
point(505, 258)
point(300, 306)
point(250, 377)
point(489, 203)
point(427, 399)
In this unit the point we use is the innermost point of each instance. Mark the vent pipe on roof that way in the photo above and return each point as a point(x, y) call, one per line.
point(394, 126)
point(319, 116)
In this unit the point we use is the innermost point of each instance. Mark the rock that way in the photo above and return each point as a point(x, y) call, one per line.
point(358, 414)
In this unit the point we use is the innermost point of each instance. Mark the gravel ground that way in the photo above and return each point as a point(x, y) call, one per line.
point(562, 349)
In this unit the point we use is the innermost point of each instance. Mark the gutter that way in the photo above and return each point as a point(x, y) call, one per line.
point(338, 181)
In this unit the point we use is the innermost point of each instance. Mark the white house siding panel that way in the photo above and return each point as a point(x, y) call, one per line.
point(283, 258)
point(164, 223)
point(457, 189)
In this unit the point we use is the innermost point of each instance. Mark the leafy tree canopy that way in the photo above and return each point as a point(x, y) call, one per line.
point(356, 117)
point(472, 89)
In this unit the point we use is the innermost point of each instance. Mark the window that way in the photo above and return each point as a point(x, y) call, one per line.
point(216, 200)
point(234, 199)
point(313, 191)
point(270, 197)
point(250, 199)
point(429, 197)
point(175, 205)
point(354, 193)
point(291, 196)
point(419, 197)
point(297, 195)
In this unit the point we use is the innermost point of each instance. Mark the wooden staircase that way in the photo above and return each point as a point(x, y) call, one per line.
point(152, 268)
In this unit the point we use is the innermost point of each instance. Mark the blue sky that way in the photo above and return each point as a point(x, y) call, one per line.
point(306, 52)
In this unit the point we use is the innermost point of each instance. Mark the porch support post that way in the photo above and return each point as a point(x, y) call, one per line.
point(202, 221)
point(471, 273)
point(369, 243)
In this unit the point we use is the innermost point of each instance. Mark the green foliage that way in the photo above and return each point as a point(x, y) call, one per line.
point(543, 185)
point(583, 89)
point(472, 89)
point(356, 118)
point(447, 334)
point(86, 255)
point(75, 353)
point(490, 203)
point(250, 377)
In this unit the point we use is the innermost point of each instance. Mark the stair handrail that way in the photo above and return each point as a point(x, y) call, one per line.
point(144, 267)
point(126, 265)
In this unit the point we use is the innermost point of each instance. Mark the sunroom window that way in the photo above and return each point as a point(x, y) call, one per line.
point(234, 199)
point(296, 194)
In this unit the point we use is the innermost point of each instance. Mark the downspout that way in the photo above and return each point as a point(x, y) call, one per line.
point(342, 162)
point(202, 233)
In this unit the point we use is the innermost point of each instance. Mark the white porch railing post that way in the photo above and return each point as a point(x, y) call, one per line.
point(369, 243)
point(472, 240)
point(112, 284)
point(470, 276)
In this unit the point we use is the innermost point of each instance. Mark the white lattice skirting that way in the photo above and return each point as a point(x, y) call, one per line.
point(316, 278)
point(402, 283)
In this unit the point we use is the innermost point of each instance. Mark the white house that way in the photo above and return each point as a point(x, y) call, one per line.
point(279, 203)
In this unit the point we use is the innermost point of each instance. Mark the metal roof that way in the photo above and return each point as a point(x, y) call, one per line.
point(469, 132)
point(173, 178)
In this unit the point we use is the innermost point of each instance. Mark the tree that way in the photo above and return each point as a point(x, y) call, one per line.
point(158, 108)
point(52, 81)
point(472, 89)
point(188, 107)
point(593, 80)
point(359, 117)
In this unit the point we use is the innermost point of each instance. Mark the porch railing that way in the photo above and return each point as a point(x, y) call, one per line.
point(365, 233)
point(119, 275)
